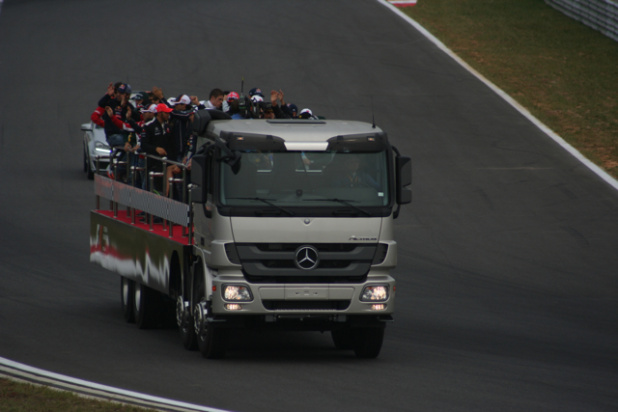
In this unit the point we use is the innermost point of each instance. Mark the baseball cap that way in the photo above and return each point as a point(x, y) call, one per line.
point(163, 108)
point(293, 108)
point(305, 114)
point(124, 88)
point(182, 99)
point(150, 109)
point(255, 92)
point(139, 96)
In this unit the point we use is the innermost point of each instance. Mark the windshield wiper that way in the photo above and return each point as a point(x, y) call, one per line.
point(268, 202)
point(343, 202)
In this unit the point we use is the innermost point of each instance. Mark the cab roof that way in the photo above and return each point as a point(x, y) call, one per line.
point(293, 130)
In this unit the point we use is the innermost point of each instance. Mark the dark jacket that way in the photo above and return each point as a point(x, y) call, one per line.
point(181, 125)
point(119, 111)
point(158, 135)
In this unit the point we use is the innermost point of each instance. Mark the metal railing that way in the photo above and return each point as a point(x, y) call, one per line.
point(601, 15)
point(130, 181)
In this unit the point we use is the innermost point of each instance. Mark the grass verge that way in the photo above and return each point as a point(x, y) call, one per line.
point(23, 397)
point(563, 72)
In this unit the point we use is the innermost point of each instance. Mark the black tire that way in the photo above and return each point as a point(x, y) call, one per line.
point(188, 338)
point(127, 296)
point(87, 169)
point(144, 306)
point(212, 343)
point(343, 338)
point(211, 340)
point(187, 331)
point(368, 342)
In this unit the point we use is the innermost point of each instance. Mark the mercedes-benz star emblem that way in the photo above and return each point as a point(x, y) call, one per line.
point(307, 258)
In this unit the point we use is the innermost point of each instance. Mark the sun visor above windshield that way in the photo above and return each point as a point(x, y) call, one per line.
point(306, 146)
point(358, 143)
point(250, 142)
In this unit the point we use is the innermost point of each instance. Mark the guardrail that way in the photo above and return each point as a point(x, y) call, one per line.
point(133, 169)
point(601, 15)
point(127, 185)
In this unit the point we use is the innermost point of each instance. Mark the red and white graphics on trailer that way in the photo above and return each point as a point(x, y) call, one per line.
point(284, 224)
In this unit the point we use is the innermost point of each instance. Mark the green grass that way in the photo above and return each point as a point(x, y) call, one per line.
point(563, 72)
point(23, 397)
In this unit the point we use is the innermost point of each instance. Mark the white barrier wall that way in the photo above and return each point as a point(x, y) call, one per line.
point(601, 15)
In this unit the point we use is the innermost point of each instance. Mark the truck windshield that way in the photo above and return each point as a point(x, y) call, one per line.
point(286, 180)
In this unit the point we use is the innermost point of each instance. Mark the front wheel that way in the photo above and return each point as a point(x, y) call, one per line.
point(184, 320)
point(368, 342)
point(211, 340)
point(343, 338)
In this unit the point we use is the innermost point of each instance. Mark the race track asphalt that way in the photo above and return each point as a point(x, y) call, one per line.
point(507, 289)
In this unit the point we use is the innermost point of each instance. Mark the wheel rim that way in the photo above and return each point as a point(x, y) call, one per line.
point(138, 296)
point(199, 320)
point(125, 292)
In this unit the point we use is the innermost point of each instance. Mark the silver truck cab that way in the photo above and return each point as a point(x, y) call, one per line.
point(293, 228)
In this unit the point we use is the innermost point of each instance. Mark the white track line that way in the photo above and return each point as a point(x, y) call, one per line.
point(596, 169)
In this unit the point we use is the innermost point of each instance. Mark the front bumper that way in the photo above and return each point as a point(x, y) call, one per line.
point(278, 301)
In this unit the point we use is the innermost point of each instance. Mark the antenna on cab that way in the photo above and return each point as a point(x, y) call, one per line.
point(373, 115)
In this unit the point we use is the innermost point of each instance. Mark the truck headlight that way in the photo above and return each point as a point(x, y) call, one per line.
point(236, 293)
point(375, 293)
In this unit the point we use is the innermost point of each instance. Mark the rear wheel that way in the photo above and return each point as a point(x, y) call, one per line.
point(144, 306)
point(127, 294)
point(368, 342)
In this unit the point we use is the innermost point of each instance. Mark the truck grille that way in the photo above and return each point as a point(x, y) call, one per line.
point(317, 305)
point(279, 262)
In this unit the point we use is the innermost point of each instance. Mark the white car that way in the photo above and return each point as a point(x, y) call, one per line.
point(95, 147)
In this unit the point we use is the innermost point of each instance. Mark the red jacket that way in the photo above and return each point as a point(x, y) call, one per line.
point(97, 116)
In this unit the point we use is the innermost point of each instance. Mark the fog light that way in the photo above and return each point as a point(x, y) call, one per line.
point(375, 293)
point(233, 306)
point(380, 306)
point(236, 293)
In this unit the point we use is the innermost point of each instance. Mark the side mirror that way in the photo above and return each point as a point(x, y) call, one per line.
point(201, 119)
point(403, 180)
